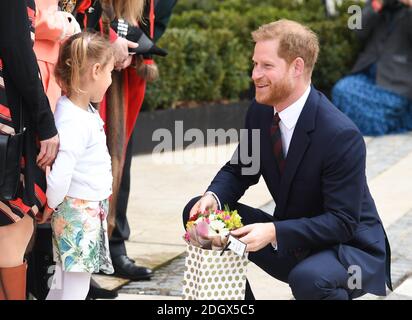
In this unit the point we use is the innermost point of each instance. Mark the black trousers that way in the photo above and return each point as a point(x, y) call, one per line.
point(121, 232)
point(40, 262)
point(311, 276)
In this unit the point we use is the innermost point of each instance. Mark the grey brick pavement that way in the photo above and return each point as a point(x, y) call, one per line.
point(400, 239)
point(384, 152)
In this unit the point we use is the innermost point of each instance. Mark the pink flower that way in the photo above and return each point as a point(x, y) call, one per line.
point(59, 225)
point(78, 203)
point(202, 229)
point(187, 236)
point(207, 220)
point(227, 217)
point(93, 212)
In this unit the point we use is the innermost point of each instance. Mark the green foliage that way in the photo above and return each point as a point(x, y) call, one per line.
point(210, 47)
point(203, 68)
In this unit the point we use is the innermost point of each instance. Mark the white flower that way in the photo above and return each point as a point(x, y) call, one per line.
point(218, 228)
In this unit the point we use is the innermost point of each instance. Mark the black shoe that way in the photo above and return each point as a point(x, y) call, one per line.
point(97, 292)
point(125, 268)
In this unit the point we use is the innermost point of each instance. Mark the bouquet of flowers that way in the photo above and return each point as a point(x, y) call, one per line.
point(216, 274)
point(209, 230)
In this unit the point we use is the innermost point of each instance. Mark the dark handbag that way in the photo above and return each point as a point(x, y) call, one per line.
point(135, 34)
point(125, 30)
point(11, 148)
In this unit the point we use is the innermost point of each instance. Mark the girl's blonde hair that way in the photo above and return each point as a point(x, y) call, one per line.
point(130, 10)
point(76, 55)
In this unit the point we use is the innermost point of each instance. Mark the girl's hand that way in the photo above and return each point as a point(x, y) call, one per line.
point(47, 213)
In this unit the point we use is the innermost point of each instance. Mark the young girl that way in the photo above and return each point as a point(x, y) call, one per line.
point(80, 182)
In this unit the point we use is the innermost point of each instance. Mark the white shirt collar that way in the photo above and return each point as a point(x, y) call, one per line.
point(290, 115)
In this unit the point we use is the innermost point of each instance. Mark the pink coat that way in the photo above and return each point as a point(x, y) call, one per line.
point(52, 26)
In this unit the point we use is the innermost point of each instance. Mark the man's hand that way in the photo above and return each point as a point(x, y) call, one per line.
point(256, 235)
point(47, 213)
point(48, 152)
point(121, 52)
point(205, 203)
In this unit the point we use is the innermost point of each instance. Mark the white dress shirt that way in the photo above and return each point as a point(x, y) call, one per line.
point(288, 119)
point(82, 168)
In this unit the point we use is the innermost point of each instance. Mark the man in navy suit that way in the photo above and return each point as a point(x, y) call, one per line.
point(325, 239)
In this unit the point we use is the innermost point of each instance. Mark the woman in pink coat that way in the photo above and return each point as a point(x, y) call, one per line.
point(52, 26)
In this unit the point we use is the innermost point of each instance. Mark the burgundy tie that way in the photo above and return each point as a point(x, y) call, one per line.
point(277, 143)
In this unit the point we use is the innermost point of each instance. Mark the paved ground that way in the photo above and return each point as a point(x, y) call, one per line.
point(160, 191)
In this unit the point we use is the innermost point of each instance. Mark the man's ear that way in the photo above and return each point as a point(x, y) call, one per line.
point(298, 67)
point(96, 70)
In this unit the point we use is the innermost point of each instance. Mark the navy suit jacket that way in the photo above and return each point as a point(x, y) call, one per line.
point(322, 199)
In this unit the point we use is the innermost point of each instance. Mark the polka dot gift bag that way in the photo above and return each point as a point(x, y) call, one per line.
point(213, 272)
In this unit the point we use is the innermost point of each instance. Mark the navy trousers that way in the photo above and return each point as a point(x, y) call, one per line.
point(313, 275)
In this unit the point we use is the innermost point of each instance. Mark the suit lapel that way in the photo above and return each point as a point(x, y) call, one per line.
point(397, 16)
point(297, 148)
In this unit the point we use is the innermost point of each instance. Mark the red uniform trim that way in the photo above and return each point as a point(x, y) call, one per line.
point(112, 35)
point(82, 9)
point(152, 18)
point(40, 195)
point(84, 6)
point(20, 205)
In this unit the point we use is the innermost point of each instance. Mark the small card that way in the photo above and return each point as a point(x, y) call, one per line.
point(236, 246)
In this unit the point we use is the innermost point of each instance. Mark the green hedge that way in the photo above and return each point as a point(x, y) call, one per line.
point(201, 68)
point(210, 48)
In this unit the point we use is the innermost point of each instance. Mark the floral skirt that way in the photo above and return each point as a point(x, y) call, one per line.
point(80, 239)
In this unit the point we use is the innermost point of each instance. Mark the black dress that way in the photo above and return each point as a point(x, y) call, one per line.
point(20, 81)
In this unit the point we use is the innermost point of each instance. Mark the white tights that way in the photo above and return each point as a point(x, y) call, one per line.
point(69, 285)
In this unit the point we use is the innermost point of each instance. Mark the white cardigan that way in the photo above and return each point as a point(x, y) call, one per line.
point(82, 168)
